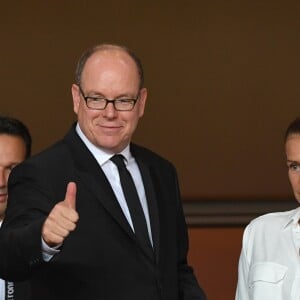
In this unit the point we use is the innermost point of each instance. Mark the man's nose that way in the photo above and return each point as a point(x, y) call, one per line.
point(110, 110)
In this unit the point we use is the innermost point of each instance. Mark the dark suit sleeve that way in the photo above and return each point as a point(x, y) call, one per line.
point(20, 234)
point(189, 288)
point(18, 259)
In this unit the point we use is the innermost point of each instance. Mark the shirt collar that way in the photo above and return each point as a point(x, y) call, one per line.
point(293, 218)
point(100, 154)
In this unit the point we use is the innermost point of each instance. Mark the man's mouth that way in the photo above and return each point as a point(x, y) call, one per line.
point(3, 197)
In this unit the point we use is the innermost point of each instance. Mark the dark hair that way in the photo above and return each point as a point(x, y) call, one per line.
point(293, 128)
point(102, 47)
point(12, 126)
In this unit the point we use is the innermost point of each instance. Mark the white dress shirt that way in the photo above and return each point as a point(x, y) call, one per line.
point(269, 265)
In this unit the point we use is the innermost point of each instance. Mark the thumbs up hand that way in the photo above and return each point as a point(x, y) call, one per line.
point(62, 219)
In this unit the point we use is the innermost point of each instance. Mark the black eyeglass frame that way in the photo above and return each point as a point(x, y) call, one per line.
point(112, 101)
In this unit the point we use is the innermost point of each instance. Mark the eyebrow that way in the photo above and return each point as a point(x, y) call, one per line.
point(99, 95)
point(292, 161)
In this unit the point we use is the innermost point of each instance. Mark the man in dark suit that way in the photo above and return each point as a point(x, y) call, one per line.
point(15, 146)
point(71, 227)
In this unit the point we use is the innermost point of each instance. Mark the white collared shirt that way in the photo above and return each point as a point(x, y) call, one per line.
point(269, 265)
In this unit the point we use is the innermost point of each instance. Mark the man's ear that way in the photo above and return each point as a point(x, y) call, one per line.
point(76, 97)
point(142, 101)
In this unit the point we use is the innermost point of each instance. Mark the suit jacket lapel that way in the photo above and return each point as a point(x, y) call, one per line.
point(151, 197)
point(101, 189)
point(94, 179)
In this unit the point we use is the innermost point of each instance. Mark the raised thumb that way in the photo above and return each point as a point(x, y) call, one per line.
point(70, 198)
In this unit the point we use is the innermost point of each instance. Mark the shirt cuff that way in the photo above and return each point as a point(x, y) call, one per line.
point(49, 252)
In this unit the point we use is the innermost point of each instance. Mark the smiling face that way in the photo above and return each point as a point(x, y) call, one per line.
point(12, 152)
point(292, 150)
point(111, 74)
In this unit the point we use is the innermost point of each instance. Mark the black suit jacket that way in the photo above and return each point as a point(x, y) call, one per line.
point(101, 259)
point(17, 290)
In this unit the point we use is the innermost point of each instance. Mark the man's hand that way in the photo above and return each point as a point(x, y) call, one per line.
point(62, 219)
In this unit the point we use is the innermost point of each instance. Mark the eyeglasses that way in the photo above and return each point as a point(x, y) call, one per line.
point(100, 103)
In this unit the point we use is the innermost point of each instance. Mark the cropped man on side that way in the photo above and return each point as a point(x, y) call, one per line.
point(96, 216)
point(15, 146)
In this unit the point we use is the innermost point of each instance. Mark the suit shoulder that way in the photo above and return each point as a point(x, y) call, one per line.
point(55, 152)
point(50, 158)
point(59, 152)
point(149, 156)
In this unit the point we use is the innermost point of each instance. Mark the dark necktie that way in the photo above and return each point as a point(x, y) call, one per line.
point(133, 202)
